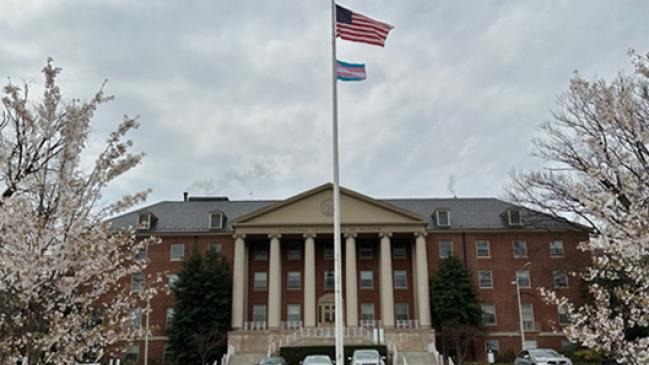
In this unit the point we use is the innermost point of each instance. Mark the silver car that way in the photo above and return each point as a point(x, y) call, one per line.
point(317, 360)
point(366, 357)
point(541, 357)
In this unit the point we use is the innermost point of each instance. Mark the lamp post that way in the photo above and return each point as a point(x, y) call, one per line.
point(520, 307)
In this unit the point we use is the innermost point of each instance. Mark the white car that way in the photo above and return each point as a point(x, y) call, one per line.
point(367, 357)
point(541, 357)
point(317, 360)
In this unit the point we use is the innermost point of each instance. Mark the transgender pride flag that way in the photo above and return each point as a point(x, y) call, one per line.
point(346, 71)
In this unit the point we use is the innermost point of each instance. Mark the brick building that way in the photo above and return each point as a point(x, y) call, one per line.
point(281, 256)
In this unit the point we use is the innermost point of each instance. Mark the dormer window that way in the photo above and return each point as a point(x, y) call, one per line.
point(216, 220)
point(144, 221)
point(443, 217)
point(514, 217)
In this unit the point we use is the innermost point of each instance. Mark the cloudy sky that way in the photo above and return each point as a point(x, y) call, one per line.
point(234, 96)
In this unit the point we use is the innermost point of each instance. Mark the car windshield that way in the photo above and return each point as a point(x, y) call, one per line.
point(271, 361)
point(317, 360)
point(544, 353)
point(366, 355)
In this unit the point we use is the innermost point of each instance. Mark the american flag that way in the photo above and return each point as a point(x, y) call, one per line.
point(359, 28)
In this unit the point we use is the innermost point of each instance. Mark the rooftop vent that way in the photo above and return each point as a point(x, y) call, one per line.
point(208, 199)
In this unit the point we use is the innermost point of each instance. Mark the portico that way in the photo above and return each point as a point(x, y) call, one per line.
point(283, 263)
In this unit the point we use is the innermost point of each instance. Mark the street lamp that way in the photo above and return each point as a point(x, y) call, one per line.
point(520, 307)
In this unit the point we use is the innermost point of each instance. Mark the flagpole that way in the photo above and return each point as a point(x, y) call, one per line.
point(340, 352)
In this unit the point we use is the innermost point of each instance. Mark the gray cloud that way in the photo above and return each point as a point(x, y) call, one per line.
point(225, 87)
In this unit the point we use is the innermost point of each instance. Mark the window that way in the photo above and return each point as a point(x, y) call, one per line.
point(527, 310)
point(399, 251)
point(261, 280)
point(167, 355)
point(367, 280)
point(520, 248)
point(531, 344)
point(367, 312)
point(177, 251)
point(293, 313)
point(524, 280)
point(560, 279)
point(169, 317)
point(293, 280)
point(443, 217)
point(514, 217)
point(564, 316)
point(172, 280)
point(401, 311)
point(329, 280)
point(136, 319)
point(144, 221)
point(137, 282)
point(485, 279)
point(445, 249)
point(328, 253)
point(488, 314)
point(568, 346)
point(216, 221)
point(259, 313)
point(132, 355)
point(493, 345)
point(140, 254)
point(482, 249)
point(214, 246)
point(261, 253)
point(366, 251)
point(400, 279)
point(294, 252)
point(556, 248)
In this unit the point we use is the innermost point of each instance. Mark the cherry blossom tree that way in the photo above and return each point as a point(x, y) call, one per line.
point(63, 269)
point(597, 149)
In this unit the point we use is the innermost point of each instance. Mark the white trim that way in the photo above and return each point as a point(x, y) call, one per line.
point(475, 243)
point(448, 217)
point(209, 222)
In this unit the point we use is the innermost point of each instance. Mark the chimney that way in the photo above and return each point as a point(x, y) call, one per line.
point(185, 196)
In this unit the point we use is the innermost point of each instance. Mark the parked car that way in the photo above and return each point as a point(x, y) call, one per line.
point(366, 357)
point(541, 357)
point(276, 360)
point(317, 360)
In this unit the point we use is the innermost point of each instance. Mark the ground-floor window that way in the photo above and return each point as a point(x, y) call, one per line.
point(367, 312)
point(531, 344)
point(401, 311)
point(293, 313)
point(167, 355)
point(259, 313)
point(493, 345)
point(132, 355)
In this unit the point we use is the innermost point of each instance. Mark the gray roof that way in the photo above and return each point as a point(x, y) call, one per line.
point(465, 213)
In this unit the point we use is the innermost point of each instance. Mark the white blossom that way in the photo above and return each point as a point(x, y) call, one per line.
point(63, 269)
point(598, 144)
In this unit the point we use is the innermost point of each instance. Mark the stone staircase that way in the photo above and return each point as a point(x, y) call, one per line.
point(417, 358)
point(246, 359)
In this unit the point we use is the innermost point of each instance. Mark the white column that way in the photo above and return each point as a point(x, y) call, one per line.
point(351, 293)
point(309, 281)
point(274, 283)
point(413, 259)
point(387, 289)
point(423, 299)
point(238, 281)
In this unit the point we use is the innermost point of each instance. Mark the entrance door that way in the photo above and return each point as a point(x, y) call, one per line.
point(327, 314)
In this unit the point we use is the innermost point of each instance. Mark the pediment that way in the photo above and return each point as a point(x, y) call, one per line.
point(315, 207)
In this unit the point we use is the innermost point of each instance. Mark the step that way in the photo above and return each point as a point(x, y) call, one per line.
point(417, 358)
point(246, 359)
